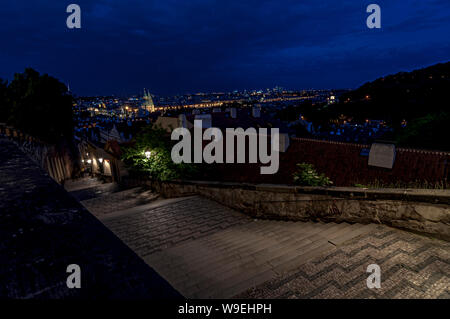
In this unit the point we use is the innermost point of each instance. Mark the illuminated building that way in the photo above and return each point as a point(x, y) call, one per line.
point(148, 104)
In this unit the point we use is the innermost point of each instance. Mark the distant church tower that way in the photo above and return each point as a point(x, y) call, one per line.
point(148, 104)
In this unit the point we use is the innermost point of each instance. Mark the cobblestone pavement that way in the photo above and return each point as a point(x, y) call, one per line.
point(117, 201)
point(89, 188)
point(73, 185)
point(162, 227)
point(412, 266)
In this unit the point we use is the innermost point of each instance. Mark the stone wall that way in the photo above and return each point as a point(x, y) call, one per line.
point(55, 159)
point(426, 211)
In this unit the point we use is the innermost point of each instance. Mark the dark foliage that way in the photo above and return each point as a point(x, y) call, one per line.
point(38, 105)
point(400, 96)
point(158, 165)
point(419, 97)
point(4, 110)
point(431, 132)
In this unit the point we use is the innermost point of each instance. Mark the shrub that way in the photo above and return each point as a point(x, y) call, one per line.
point(159, 164)
point(306, 175)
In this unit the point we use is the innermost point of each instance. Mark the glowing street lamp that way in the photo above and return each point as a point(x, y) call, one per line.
point(100, 160)
point(89, 161)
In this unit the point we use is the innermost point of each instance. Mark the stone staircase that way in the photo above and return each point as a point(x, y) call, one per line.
point(228, 262)
point(119, 200)
point(102, 199)
point(204, 249)
point(88, 188)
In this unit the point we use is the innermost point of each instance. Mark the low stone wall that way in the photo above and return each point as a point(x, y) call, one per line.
point(426, 211)
point(55, 159)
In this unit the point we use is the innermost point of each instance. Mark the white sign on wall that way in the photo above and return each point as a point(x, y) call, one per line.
point(382, 155)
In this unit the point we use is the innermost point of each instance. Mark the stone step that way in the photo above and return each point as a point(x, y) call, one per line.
point(265, 249)
point(317, 249)
point(224, 259)
point(235, 241)
point(310, 243)
point(357, 231)
point(241, 284)
point(342, 230)
point(105, 196)
point(226, 238)
point(256, 227)
point(221, 268)
point(237, 248)
point(250, 234)
point(346, 232)
point(250, 264)
point(240, 281)
point(82, 183)
point(94, 191)
point(334, 229)
point(141, 208)
point(270, 252)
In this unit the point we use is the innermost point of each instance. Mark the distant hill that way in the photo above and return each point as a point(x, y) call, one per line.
point(405, 95)
point(421, 97)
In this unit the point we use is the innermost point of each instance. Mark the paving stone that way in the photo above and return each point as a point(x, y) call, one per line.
point(192, 213)
point(412, 266)
point(118, 201)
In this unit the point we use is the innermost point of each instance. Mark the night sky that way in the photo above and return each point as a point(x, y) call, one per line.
point(182, 46)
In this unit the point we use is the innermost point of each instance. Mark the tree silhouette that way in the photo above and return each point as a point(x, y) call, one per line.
point(430, 131)
point(4, 111)
point(40, 106)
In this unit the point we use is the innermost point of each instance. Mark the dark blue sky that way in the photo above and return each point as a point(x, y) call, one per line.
point(180, 46)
